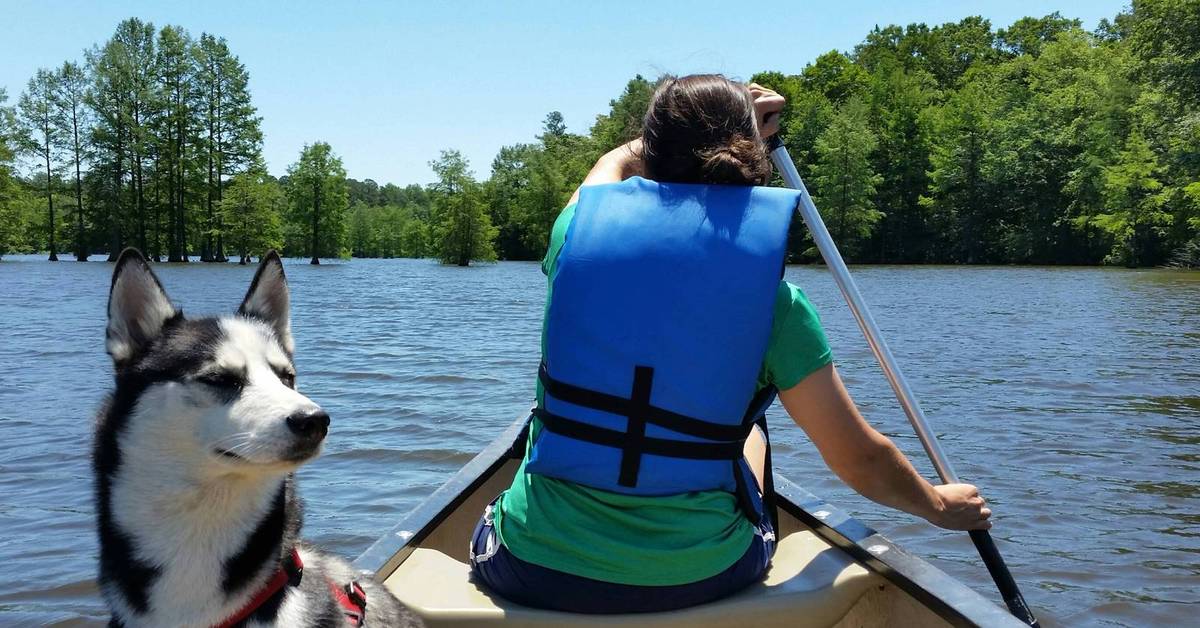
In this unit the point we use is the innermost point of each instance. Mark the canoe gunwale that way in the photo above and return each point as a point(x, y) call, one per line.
point(947, 597)
point(385, 554)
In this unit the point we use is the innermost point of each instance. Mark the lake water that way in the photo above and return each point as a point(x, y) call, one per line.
point(1071, 396)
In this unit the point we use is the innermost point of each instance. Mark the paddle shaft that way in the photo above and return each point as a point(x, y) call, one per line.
point(837, 267)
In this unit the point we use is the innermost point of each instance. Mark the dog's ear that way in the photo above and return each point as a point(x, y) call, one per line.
point(138, 307)
point(268, 299)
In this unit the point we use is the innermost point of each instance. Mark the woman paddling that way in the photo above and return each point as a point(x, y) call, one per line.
point(667, 330)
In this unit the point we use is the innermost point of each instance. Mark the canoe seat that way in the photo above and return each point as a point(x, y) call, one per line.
point(809, 584)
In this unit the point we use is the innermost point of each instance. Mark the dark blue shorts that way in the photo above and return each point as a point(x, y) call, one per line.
point(532, 585)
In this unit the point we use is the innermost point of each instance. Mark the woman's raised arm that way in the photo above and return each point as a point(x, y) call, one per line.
point(616, 165)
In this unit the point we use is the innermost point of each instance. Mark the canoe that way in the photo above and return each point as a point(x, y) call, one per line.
point(829, 569)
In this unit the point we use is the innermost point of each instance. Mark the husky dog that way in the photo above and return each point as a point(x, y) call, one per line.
point(194, 454)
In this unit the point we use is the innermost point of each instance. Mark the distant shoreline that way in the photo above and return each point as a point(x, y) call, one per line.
point(103, 258)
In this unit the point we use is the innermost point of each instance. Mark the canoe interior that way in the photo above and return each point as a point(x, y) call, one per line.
point(812, 583)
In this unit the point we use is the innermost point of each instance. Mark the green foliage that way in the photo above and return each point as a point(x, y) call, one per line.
point(387, 231)
point(1165, 35)
point(38, 138)
point(843, 180)
point(316, 189)
point(953, 143)
point(73, 123)
point(901, 112)
point(1028, 34)
point(231, 137)
point(960, 196)
point(251, 211)
point(835, 76)
point(9, 190)
point(1135, 214)
point(531, 183)
point(623, 122)
point(462, 231)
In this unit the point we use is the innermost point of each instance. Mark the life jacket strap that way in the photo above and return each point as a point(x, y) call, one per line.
point(729, 440)
point(639, 408)
point(648, 444)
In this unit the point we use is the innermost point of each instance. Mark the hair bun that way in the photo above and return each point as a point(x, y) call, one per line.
point(736, 163)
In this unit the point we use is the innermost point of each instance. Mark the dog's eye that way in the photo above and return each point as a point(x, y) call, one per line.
point(224, 380)
point(288, 379)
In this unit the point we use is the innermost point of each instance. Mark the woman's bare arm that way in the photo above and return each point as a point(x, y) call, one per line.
point(616, 165)
point(870, 462)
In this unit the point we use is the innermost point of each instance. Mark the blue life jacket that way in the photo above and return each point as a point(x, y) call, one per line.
point(660, 314)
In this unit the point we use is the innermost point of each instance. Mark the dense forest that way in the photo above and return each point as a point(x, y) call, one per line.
point(1037, 143)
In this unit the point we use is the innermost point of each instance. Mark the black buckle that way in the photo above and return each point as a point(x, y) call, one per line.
point(294, 570)
point(356, 594)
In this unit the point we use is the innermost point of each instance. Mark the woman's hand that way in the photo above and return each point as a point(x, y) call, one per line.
point(767, 106)
point(961, 508)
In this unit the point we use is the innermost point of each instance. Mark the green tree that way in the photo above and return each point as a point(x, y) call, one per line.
point(362, 230)
point(623, 122)
point(900, 103)
point(35, 114)
point(232, 138)
point(504, 192)
point(949, 50)
point(843, 178)
point(9, 190)
point(835, 76)
point(462, 231)
point(72, 121)
point(1165, 34)
point(251, 212)
point(123, 99)
point(1135, 214)
point(177, 127)
point(959, 192)
point(317, 191)
point(1028, 35)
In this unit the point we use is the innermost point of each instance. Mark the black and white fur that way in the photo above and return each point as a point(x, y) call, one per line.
point(194, 457)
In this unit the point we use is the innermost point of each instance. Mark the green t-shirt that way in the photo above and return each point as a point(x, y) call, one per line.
point(638, 540)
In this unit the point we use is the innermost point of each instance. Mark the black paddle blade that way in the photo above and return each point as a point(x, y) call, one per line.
point(1004, 580)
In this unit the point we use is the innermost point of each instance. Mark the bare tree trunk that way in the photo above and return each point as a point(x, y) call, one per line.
point(50, 204)
point(81, 252)
point(180, 190)
point(141, 199)
point(156, 253)
point(206, 246)
point(316, 221)
point(219, 154)
point(114, 227)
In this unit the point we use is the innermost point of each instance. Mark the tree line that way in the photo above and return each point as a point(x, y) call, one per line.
point(152, 140)
point(1038, 143)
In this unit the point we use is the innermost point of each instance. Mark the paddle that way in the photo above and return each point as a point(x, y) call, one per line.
point(833, 259)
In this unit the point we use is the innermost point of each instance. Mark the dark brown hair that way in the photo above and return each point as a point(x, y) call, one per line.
point(700, 129)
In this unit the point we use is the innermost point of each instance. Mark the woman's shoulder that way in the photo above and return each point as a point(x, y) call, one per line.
point(790, 301)
point(798, 344)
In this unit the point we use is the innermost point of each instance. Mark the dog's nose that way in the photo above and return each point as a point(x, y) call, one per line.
point(309, 425)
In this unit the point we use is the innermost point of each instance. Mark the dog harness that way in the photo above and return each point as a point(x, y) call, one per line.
point(659, 319)
point(351, 597)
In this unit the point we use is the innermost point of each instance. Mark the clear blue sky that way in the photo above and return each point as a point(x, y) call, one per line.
point(389, 84)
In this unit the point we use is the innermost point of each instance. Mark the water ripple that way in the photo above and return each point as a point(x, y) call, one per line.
point(1069, 395)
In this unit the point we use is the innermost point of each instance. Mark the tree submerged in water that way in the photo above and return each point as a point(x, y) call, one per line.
point(250, 212)
point(317, 190)
point(462, 231)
